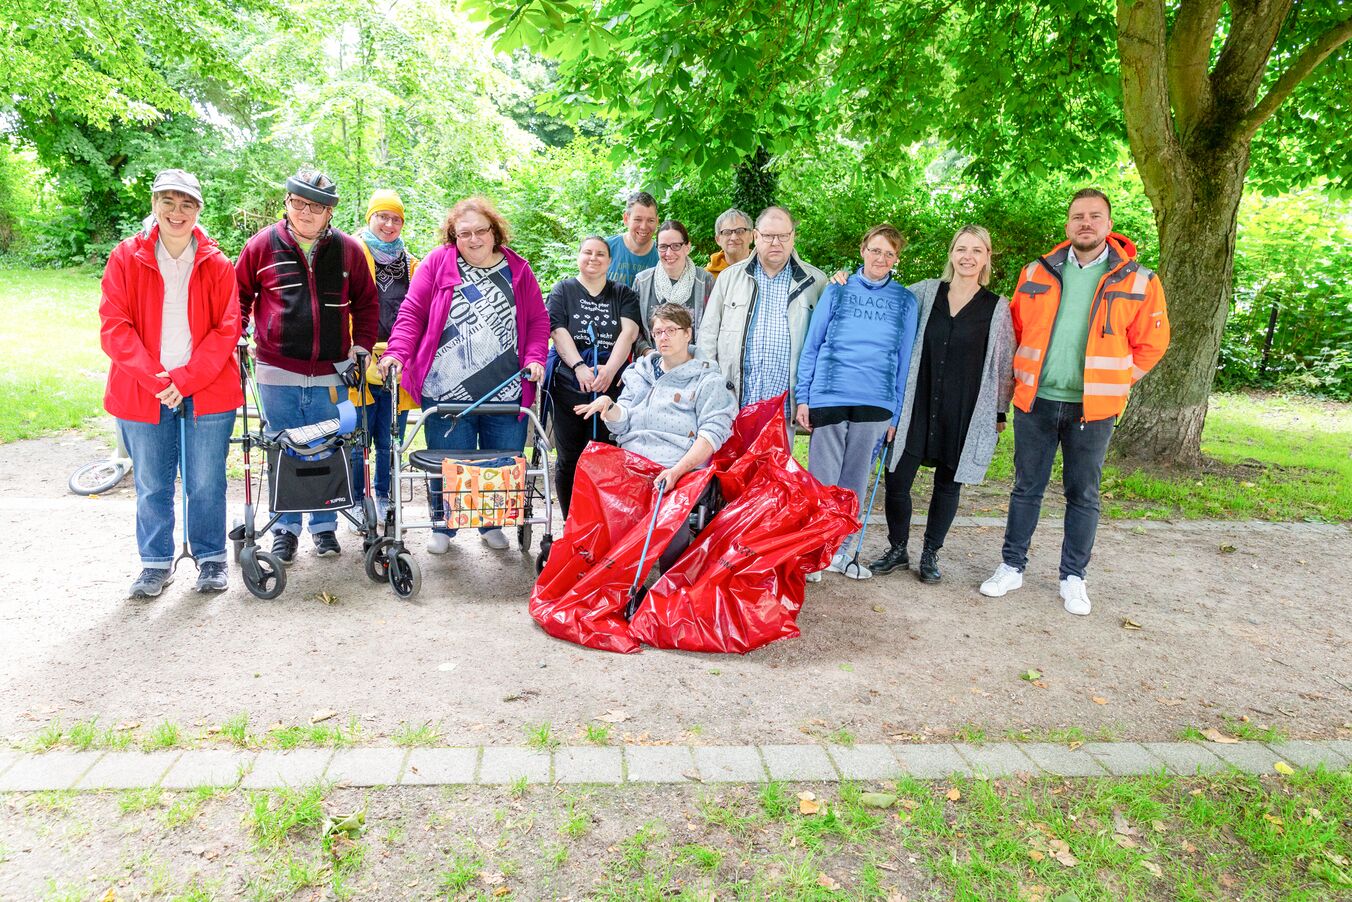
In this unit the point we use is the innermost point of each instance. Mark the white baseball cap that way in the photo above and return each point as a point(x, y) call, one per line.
point(180, 181)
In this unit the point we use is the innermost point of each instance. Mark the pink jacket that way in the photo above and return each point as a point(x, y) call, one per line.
point(417, 330)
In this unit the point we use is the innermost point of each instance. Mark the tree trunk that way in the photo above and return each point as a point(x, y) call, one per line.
point(1196, 213)
point(756, 183)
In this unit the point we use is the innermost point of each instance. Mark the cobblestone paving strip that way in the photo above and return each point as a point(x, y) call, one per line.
point(499, 765)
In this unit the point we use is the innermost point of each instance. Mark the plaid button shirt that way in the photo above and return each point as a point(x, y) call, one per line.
point(765, 360)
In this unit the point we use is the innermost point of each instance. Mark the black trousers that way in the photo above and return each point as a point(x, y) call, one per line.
point(571, 435)
point(943, 503)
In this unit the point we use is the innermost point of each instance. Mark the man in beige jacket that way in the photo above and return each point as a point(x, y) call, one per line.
point(757, 317)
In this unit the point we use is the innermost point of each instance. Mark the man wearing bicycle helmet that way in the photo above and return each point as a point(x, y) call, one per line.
point(306, 289)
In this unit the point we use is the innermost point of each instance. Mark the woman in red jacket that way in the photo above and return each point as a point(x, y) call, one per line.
point(170, 319)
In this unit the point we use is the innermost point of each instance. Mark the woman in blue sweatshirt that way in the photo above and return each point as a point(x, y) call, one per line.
point(852, 373)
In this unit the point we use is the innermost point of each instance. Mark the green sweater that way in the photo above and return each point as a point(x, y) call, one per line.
point(1063, 372)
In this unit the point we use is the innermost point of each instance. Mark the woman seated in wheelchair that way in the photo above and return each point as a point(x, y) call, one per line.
point(675, 409)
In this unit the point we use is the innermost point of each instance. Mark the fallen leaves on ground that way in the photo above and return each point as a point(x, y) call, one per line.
point(327, 598)
point(1216, 735)
point(953, 794)
point(1129, 624)
point(1152, 867)
point(825, 881)
point(877, 799)
point(1060, 850)
point(807, 803)
point(1282, 767)
point(1098, 700)
point(322, 715)
point(1030, 675)
point(1227, 548)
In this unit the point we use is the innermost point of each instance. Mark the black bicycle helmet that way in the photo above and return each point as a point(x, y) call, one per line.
point(313, 186)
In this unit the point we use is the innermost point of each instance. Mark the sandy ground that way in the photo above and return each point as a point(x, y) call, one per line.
point(1264, 630)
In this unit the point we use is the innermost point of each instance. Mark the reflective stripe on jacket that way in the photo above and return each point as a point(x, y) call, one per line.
point(1128, 332)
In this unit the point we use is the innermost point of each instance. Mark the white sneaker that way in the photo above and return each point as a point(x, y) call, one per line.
point(1004, 579)
point(856, 570)
point(1076, 595)
point(839, 562)
point(815, 576)
point(439, 543)
point(358, 526)
point(494, 539)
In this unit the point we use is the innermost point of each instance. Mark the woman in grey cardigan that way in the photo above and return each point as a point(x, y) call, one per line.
point(675, 410)
point(959, 389)
point(674, 280)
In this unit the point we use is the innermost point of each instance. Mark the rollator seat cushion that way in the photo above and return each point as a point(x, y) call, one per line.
point(429, 461)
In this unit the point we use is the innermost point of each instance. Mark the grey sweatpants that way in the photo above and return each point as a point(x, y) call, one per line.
point(841, 454)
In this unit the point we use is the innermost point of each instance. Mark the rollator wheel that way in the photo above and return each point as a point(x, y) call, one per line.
point(369, 523)
point(546, 542)
point(96, 478)
point(523, 536)
point(378, 560)
point(264, 575)
point(405, 575)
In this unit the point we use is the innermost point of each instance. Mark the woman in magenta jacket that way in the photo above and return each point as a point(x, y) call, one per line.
point(169, 322)
point(472, 318)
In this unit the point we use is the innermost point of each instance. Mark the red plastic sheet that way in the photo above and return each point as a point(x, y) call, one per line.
point(582, 591)
point(741, 583)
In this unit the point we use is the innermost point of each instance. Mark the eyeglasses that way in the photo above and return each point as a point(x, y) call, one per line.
point(882, 252)
point(663, 333)
point(169, 205)
point(473, 233)
point(301, 205)
point(769, 238)
point(670, 248)
point(728, 233)
point(389, 218)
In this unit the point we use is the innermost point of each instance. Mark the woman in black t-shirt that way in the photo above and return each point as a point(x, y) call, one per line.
point(593, 322)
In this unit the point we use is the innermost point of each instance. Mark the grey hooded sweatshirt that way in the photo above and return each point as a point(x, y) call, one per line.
point(662, 413)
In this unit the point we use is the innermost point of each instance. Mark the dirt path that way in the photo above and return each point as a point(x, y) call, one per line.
point(1261, 631)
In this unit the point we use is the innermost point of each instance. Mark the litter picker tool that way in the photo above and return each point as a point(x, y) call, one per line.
point(855, 570)
point(632, 607)
point(182, 415)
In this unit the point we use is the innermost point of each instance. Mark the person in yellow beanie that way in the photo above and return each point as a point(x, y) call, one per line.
point(392, 268)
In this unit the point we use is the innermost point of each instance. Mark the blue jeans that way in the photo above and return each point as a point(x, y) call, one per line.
point(379, 417)
point(472, 433)
point(155, 463)
point(1083, 447)
point(285, 406)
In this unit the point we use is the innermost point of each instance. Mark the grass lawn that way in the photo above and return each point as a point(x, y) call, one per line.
point(54, 368)
point(1270, 457)
point(1227, 836)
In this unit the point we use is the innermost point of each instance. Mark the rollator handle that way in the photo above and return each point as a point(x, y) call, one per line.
point(500, 408)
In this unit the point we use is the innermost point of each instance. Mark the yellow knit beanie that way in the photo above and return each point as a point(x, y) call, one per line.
point(387, 200)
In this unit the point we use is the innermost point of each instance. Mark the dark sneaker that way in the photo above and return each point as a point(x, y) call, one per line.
point(284, 547)
point(150, 583)
point(928, 571)
point(211, 577)
point(326, 544)
point(895, 558)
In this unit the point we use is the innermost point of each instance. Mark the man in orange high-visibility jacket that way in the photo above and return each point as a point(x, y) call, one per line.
point(1089, 322)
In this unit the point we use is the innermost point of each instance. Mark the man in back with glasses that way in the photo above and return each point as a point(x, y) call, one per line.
point(309, 294)
point(732, 233)
point(758, 314)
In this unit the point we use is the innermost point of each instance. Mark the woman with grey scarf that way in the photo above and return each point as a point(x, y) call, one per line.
point(674, 280)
